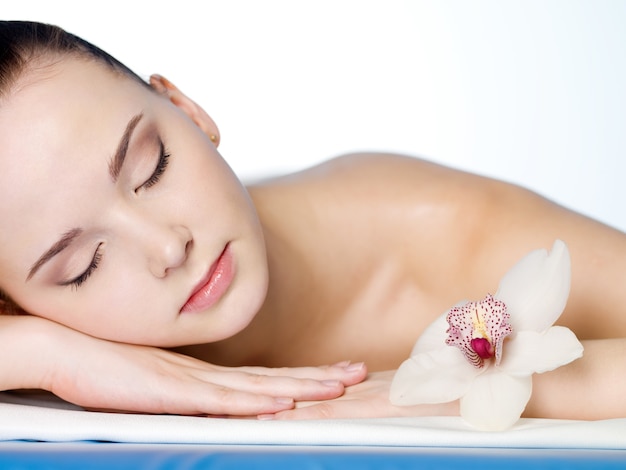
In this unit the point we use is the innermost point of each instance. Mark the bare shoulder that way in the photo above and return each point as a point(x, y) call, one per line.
point(374, 167)
point(429, 201)
point(404, 196)
point(423, 213)
point(458, 231)
point(382, 172)
point(469, 230)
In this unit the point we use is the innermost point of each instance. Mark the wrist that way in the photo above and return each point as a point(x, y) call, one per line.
point(28, 350)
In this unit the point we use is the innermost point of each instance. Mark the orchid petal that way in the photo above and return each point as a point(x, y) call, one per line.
point(436, 377)
point(531, 352)
point(507, 337)
point(495, 401)
point(433, 336)
point(535, 290)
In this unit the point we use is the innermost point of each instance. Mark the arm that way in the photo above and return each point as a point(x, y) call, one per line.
point(369, 399)
point(589, 388)
point(101, 374)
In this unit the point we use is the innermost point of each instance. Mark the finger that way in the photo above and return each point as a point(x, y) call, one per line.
point(361, 408)
point(346, 372)
point(326, 410)
point(337, 409)
point(200, 399)
point(277, 386)
point(225, 401)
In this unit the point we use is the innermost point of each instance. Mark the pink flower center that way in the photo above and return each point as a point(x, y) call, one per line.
point(483, 348)
point(478, 329)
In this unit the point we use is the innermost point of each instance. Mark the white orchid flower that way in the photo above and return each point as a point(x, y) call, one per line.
point(484, 353)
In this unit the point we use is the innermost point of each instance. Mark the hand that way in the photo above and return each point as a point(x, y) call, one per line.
point(368, 399)
point(104, 375)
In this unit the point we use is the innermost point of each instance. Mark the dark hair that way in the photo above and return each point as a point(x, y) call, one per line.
point(24, 42)
point(8, 307)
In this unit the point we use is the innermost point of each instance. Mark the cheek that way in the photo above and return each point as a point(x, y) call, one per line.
point(205, 189)
point(121, 306)
point(107, 307)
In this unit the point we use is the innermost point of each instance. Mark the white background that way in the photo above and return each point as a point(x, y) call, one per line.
point(533, 92)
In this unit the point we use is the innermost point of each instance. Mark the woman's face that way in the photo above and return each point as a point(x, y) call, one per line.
point(119, 218)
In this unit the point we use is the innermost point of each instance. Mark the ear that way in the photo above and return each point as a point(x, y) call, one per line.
point(163, 86)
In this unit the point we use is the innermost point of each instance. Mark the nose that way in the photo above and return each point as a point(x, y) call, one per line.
point(167, 248)
point(152, 234)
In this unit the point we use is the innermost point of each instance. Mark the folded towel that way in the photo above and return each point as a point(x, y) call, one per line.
point(43, 417)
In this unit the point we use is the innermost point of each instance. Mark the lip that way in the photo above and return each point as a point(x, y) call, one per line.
point(213, 285)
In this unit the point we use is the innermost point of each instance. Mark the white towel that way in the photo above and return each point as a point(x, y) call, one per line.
point(44, 418)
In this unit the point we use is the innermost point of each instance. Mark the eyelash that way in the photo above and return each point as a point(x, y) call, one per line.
point(164, 157)
point(95, 261)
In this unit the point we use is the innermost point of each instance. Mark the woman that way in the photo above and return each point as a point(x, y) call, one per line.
point(125, 232)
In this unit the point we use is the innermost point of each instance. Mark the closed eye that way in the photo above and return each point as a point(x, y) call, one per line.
point(160, 167)
point(93, 265)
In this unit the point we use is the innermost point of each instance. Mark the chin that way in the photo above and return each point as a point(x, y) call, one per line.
point(232, 315)
point(247, 303)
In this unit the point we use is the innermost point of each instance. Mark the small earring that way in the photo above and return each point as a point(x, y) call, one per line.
point(213, 138)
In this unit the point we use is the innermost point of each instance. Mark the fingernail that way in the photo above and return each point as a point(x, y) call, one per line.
point(266, 417)
point(331, 383)
point(284, 401)
point(356, 367)
point(342, 364)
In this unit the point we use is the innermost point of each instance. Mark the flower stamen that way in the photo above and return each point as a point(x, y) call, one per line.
point(483, 348)
point(478, 329)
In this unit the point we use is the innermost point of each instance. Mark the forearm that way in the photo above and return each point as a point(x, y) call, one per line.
point(592, 387)
point(25, 343)
point(100, 374)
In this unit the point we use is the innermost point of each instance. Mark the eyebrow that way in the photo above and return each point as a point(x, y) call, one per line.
point(54, 250)
point(116, 163)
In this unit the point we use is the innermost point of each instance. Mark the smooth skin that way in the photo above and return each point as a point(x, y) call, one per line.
point(351, 259)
